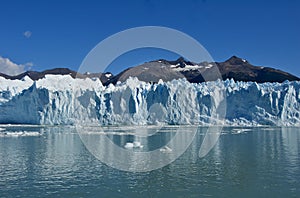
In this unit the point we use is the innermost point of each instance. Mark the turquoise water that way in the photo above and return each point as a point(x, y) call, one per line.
point(246, 162)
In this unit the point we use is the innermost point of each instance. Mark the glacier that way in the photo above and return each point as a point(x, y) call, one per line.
point(62, 100)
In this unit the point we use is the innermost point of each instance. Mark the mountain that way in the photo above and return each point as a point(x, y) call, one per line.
point(235, 68)
point(34, 75)
point(241, 70)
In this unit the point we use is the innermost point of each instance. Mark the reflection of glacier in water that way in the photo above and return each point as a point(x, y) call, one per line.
point(259, 160)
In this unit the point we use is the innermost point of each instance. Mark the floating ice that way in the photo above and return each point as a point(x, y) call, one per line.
point(135, 144)
point(128, 145)
point(19, 133)
point(165, 149)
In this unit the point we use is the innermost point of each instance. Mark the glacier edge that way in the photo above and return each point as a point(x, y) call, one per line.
point(57, 99)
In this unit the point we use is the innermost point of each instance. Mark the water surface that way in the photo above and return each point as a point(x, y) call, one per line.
point(246, 162)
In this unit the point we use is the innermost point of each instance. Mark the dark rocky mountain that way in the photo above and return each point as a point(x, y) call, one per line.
point(241, 70)
point(34, 75)
point(235, 68)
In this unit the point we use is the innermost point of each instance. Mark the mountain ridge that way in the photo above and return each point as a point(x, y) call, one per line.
point(233, 68)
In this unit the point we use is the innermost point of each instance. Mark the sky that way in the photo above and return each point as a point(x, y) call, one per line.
point(39, 35)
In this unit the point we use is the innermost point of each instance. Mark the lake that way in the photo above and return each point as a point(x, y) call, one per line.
point(245, 162)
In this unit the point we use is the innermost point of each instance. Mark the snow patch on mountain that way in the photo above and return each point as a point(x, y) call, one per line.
point(187, 67)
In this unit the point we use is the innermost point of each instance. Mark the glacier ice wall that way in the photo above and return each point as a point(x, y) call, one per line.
point(64, 100)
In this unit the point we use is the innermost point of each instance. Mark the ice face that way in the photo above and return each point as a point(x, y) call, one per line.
point(63, 100)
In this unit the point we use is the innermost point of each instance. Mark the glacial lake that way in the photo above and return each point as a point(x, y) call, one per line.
point(245, 162)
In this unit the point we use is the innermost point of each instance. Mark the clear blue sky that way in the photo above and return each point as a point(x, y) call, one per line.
point(61, 33)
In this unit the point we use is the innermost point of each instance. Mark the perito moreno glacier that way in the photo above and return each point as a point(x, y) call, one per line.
point(60, 99)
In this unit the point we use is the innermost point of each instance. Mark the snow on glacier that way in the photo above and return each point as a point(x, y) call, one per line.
point(10, 88)
point(60, 99)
